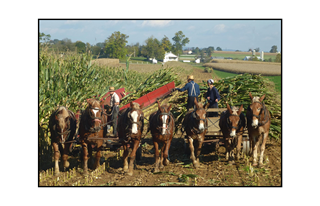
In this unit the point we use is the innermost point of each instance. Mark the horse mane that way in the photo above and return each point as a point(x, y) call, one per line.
point(64, 110)
point(255, 99)
point(235, 110)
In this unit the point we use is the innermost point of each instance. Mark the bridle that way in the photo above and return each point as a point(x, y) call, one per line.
point(95, 119)
point(66, 132)
point(230, 126)
point(167, 131)
point(198, 119)
point(266, 116)
point(139, 122)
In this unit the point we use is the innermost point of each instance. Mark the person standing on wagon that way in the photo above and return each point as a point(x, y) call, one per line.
point(114, 104)
point(193, 91)
point(213, 97)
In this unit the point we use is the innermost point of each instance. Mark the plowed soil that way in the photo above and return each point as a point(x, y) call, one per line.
point(214, 170)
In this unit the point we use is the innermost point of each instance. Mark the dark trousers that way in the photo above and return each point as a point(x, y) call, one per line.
point(114, 118)
point(213, 114)
point(190, 102)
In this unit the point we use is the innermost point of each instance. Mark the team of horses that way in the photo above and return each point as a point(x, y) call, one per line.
point(161, 125)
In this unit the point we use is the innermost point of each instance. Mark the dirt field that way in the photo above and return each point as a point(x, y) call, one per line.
point(214, 170)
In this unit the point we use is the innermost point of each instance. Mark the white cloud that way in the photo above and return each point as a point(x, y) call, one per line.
point(220, 28)
point(191, 27)
point(156, 23)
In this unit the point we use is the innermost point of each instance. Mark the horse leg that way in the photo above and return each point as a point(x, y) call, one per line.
point(239, 147)
point(198, 152)
point(192, 157)
point(262, 148)
point(161, 156)
point(156, 155)
point(65, 155)
point(227, 143)
point(133, 156)
point(98, 155)
point(85, 157)
point(125, 157)
point(166, 153)
point(255, 150)
point(56, 158)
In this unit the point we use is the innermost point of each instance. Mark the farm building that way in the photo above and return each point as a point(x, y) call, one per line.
point(246, 58)
point(170, 57)
point(154, 61)
point(197, 60)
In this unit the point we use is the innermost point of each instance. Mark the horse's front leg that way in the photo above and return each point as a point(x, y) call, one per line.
point(161, 155)
point(255, 140)
point(198, 152)
point(133, 156)
point(192, 156)
point(85, 157)
point(98, 155)
point(156, 154)
point(125, 157)
point(65, 155)
point(56, 158)
point(239, 147)
point(262, 148)
point(166, 153)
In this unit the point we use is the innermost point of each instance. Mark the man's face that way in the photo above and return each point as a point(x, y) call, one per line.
point(111, 93)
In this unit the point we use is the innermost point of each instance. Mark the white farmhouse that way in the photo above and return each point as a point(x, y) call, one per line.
point(154, 61)
point(197, 61)
point(170, 57)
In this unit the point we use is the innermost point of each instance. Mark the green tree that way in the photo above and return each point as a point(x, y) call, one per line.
point(273, 49)
point(179, 41)
point(196, 51)
point(44, 37)
point(278, 58)
point(115, 45)
point(153, 48)
point(166, 44)
point(219, 49)
point(81, 47)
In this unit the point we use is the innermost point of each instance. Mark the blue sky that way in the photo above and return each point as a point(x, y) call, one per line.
point(227, 34)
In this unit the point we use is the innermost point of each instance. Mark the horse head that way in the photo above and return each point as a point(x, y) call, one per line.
point(95, 111)
point(256, 109)
point(62, 125)
point(164, 116)
point(233, 119)
point(199, 114)
point(135, 115)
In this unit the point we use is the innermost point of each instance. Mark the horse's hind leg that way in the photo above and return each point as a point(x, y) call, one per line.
point(156, 155)
point(238, 147)
point(56, 158)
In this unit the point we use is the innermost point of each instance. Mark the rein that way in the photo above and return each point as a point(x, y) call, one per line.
point(194, 126)
point(233, 127)
point(93, 129)
point(167, 124)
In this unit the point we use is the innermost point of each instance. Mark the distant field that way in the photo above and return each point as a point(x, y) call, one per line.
point(241, 55)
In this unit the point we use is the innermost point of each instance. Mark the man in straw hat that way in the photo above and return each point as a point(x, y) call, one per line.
point(193, 91)
point(114, 104)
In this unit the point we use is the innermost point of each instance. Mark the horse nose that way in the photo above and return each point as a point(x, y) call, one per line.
point(233, 133)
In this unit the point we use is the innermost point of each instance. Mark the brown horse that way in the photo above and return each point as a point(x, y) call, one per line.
point(91, 130)
point(161, 125)
point(62, 125)
point(258, 118)
point(196, 124)
point(130, 128)
point(232, 123)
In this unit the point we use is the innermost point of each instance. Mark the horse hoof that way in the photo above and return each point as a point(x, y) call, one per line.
point(166, 162)
point(156, 170)
point(56, 173)
point(85, 173)
point(130, 173)
point(66, 164)
point(196, 165)
point(161, 166)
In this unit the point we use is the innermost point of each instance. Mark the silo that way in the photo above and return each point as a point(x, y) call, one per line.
point(261, 56)
point(253, 52)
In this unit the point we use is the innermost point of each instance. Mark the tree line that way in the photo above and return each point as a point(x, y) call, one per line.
point(115, 46)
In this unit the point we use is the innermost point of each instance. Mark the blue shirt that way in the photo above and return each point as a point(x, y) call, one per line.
point(213, 94)
point(192, 87)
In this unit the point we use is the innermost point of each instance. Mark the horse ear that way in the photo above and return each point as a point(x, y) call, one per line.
point(229, 109)
point(261, 98)
point(169, 107)
point(250, 95)
point(89, 100)
point(56, 117)
point(196, 102)
point(240, 110)
point(141, 106)
point(131, 104)
point(159, 107)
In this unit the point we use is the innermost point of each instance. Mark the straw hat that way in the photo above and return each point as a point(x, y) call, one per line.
point(111, 89)
point(190, 77)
